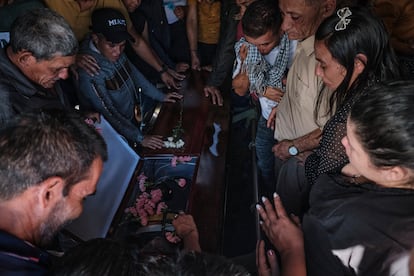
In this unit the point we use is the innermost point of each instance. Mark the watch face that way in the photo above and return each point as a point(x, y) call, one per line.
point(293, 150)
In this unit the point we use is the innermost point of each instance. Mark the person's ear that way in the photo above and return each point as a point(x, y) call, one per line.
point(396, 174)
point(95, 39)
point(360, 63)
point(328, 8)
point(51, 191)
point(25, 58)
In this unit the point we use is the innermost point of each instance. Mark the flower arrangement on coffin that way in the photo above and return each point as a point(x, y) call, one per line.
point(150, 205)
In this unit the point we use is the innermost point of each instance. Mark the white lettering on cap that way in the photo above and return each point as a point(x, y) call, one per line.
point(114, 22)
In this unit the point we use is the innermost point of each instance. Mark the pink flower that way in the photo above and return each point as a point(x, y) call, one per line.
point(150, 203)
point(141, 181)
point(171, 237)
point(142, 177)
point(161, 207)
point(142, 187)
point(183, 159)
point(149, 209)
point(181, 182)
point(144, 220)
point(140, 203)
point(174, 162)
point(156, 195)
point(131, 210)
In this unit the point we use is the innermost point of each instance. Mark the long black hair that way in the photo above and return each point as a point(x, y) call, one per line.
point(384, 123)
point(364, 34)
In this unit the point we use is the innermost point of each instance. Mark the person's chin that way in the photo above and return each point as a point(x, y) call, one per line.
point(114, 59)
point(295, 36)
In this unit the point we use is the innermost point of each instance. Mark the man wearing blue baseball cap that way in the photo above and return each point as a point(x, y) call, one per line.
point(118, 87)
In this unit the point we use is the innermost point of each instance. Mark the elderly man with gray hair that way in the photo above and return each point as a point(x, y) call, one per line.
point(42, 48)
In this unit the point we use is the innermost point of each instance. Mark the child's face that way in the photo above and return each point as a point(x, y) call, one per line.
point(112, 51)
point(266, 42)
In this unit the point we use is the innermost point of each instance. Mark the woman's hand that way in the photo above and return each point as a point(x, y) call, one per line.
point(267, 264)
point(282, 232)
point(285, 234)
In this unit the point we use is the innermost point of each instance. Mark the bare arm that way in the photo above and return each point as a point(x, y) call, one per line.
point(186, 229)
point(191, 26)
point(304, 143)
point(143, 50)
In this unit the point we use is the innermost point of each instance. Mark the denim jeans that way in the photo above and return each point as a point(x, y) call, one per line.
point(265, 157)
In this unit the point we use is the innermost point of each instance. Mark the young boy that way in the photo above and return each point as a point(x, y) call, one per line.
point(262, 58)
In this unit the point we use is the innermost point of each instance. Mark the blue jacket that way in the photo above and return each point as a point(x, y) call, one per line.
point(114, 91)
point(18, 257)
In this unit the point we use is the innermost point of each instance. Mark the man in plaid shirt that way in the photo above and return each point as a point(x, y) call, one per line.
point(262, 58)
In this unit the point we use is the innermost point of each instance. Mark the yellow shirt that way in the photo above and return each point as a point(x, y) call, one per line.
point(79, 21)
point(295, 112)
point(208, 22)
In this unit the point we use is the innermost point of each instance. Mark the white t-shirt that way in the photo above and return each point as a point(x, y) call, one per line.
point(266, 104)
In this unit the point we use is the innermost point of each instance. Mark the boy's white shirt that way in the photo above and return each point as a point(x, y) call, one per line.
point(266, 104)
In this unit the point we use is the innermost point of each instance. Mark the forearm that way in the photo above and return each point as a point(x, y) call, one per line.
point(191, 242)
point(309, 141)
point(143, 50)
point(293, 263)
point(191, 27)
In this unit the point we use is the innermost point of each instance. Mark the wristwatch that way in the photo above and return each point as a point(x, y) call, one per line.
point(163, 70)
point(293, 151)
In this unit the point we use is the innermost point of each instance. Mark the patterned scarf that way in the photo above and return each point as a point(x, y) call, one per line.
point(261, 74)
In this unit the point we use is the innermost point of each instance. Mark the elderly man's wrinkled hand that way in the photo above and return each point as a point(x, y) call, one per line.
point(281, 149)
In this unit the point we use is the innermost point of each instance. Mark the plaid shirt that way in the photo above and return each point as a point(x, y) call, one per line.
point(262, 74)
